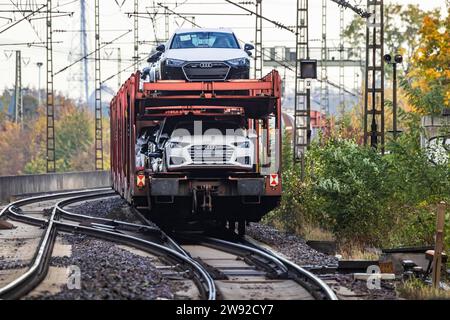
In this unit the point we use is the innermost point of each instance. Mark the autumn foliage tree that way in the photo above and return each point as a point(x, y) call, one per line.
point(402, 25)
point(427, 83)
point(23, 150)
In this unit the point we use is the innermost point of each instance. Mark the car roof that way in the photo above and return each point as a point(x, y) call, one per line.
point(223, 30)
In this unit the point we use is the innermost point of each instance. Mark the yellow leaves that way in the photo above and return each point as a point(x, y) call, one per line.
point(421, 83)
point(12, 149)
point(423, 204)
point(402, 51)
point(24, 151)
point(429, 71)
point(446, 74)
point(431, 74)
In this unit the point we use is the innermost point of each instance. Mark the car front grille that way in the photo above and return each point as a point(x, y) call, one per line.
point(201, 71)
point(211, 154)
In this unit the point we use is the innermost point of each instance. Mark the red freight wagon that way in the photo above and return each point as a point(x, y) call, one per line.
point(198, 151)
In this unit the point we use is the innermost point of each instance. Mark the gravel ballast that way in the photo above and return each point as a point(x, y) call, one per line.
point(114, 208)
point(360, 289)
point(110, 273)
point(292, 246)
point(296, 250)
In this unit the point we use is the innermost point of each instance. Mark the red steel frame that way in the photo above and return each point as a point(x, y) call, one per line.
point(135, 99)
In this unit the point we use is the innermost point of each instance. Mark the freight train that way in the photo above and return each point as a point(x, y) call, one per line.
point(198, 152)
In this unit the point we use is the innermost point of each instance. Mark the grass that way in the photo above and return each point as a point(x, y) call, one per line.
point(356, 252)
point(347, 251)
point(316, 233)
point(415, 289)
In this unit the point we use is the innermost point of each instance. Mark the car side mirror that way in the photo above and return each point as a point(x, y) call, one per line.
point(145, 73)
point(249, 47)
point(152, 139)
point(154, 57)
point(144, 149)
point(161, 48)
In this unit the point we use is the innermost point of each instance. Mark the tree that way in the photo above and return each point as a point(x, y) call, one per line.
point(13, 150)
point(74, 135)
point(427, 84)
point(36, 143)
point(402, 24)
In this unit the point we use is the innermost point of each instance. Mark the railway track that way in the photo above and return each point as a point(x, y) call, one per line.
point(243, 270)
point(220, 269)
point(62, 221)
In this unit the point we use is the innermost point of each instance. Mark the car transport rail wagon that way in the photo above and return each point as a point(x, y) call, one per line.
point(198, 151)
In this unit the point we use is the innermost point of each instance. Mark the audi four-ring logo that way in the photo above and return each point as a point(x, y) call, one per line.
point(206, 65)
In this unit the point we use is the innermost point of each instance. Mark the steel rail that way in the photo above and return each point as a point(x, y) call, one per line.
point(87, 194)
point(310, 278)
point(223, 244)
point(9, 209)
point(313, 284)
point(37, 272)
point(117, 224)
point(120, 225)
point(207, 283)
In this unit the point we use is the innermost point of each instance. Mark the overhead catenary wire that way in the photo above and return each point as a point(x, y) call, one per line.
point(24, 18)
point(61, 5)
point(92, 52)
point(281, 63)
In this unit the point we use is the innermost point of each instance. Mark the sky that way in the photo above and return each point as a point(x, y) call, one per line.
point(115, 21)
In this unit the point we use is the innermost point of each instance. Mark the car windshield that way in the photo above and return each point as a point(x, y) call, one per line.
point(195, 127)
point(194, 40)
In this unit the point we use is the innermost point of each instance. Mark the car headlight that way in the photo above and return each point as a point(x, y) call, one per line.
point(174, 62)
point(242, 145)
point(175, 144)
point(240, 62)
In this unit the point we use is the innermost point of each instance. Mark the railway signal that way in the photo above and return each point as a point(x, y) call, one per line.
point(397, 60)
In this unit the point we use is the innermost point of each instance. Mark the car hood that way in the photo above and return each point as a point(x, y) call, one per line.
point(205, 54)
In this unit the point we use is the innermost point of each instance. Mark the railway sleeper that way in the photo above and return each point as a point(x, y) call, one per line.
point(272, 270)
point(215, 273)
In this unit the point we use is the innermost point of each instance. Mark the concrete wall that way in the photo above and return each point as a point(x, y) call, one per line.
point(18, 185)
point(435, 126)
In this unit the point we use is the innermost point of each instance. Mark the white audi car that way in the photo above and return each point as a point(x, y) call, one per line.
point(215, 146)
point(200, 55)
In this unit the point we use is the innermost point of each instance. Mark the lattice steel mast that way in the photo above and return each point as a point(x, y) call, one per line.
point(258, 41)
point(136, 34)
point(18, 97)
point(324, 90)
point(341, 62)
point(374, 76)
point(302, 132)
point(51, 156)
point(98, 94)
point(167, 25)
point(119, 67)
point(84, 49)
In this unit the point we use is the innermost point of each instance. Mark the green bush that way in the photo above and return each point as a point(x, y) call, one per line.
point(349, 184)
point(364, 197)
